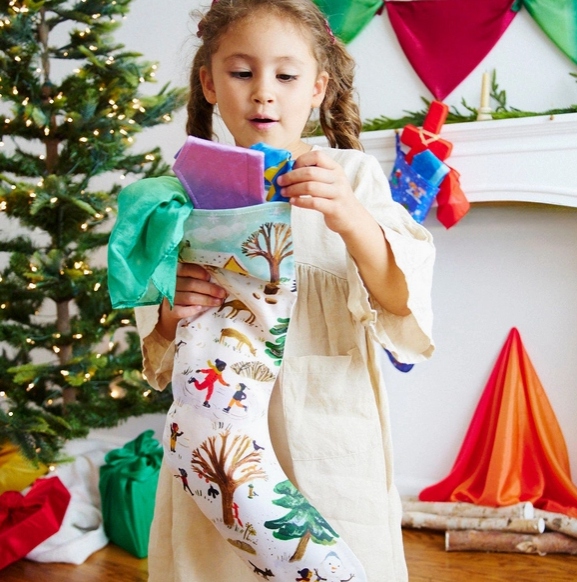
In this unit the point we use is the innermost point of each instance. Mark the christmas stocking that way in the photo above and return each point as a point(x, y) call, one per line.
point(217, 440)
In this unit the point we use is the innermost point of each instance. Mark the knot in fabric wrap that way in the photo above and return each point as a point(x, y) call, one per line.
point(139, 459)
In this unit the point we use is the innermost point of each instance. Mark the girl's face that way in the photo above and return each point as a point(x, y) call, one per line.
point(265, 80)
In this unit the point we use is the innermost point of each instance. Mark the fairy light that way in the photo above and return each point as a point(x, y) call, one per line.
point(108, 209)
point(42, 157)
point(77, 336)
point(31, 286)
point(32, 194)
point(33, 268)
point(3, 394)
point(54, 200)
point(97, 286)
point(30, 386)
point(110, 345)
point(96, 132)
point(149, 157)
point(146, 393)
point(46, 131)
point(52, 468)
point(56, 349)
point(98, 216)
point(83, 139)
point(30, 341)
point(77, 265)
point(65, 373)
point(84, 226)
point(103, 319)
point(14, 89)
point(3, 205)
point(125, 321)
point(3, 306)
point(166, 117)
point(69, 119)
point(10, 413)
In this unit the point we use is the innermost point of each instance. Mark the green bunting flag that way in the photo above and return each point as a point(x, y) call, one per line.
point(558, 19)
point(348, 17)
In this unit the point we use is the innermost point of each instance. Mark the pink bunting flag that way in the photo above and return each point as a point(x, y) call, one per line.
point(445, 40)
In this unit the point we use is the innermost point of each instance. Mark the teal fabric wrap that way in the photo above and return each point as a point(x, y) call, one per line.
point(143, 248)
point(127, 486)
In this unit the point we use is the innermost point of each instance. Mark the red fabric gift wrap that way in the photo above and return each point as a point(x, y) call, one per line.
point(428, 138)
point(26, 521)
point(452, 204)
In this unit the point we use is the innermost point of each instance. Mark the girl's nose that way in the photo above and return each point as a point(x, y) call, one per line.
point(262, 93)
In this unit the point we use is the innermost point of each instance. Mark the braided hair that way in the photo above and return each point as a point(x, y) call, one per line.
point(338, 114)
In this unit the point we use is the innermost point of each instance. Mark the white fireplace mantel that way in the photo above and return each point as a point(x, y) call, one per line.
point(530, 159)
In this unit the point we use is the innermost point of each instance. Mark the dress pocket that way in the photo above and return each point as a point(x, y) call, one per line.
point(329, 406)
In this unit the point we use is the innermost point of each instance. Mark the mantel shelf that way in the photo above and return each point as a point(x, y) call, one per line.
point(530, 159)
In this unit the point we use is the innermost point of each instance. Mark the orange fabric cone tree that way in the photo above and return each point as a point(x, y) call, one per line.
point(514, 449)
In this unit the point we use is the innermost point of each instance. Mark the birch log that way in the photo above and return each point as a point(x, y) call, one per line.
point(558, 522)
point(497, 541)
point(417, 519)
point(523, 510)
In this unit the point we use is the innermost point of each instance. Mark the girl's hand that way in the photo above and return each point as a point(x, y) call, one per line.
point(319, 183)
point(194, 293)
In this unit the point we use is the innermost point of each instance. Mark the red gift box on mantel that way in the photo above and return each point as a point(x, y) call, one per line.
point(428, 138)
point(27, 520)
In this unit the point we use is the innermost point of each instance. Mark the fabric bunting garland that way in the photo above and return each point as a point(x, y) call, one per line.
point(445, 40)
point(558, 19)
point(514, 449)
point(347, 18)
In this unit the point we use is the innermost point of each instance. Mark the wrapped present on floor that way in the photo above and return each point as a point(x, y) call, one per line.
point(82, 530)
point(127, 486)
point(16, 471)
point(27, 520)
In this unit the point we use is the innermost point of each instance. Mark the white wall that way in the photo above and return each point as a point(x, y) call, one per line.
point(502, 266)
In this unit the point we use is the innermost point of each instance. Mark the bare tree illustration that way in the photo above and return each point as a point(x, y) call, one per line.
point(273, 242)
point(302, 522)
point(228, 464)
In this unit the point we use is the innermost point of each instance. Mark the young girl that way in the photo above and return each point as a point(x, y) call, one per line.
point(363, 272)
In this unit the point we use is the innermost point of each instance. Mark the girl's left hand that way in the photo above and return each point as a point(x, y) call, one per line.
point(319, 183)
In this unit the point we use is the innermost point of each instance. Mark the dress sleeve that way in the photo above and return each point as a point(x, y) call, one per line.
point(157, 351)
point(408, 338)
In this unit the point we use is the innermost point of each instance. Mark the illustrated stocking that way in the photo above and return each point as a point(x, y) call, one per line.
point(217, 439)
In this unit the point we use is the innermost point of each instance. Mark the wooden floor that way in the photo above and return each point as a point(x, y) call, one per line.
point(426, 558)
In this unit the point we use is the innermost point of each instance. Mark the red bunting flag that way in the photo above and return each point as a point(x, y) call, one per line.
point(445, 40)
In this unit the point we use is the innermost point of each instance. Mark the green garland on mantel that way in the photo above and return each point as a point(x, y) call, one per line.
point(455, 116)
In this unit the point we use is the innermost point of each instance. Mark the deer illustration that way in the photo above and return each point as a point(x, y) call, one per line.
point(236, 306)
point(241, 339)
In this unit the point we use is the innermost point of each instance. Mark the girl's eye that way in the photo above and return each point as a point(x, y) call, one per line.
point(241, 74)
point(284, 77)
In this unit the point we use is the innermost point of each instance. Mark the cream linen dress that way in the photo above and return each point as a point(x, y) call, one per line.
point(329, 416)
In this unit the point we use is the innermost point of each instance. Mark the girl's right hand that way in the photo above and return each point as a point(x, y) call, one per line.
point(194, 293)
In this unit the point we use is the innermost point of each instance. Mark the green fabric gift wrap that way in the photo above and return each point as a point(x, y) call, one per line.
point(127, 485)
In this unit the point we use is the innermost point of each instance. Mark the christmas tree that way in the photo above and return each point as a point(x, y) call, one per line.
point(67, 363)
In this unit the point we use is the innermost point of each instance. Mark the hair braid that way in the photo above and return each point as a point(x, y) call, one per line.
point(339, 113)
point(199, 122)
